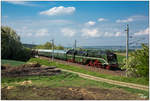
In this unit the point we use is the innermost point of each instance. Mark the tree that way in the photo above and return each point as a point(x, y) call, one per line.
point(48, 45)
point(138, 63)
point(60, 47)
point(10, 42)
point(11, 47)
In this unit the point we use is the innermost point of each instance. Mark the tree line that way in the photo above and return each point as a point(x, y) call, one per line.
point(48, 45)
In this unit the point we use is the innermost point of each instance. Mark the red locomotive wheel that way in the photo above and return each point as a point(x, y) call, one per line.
point(91, 63)
point(97, 64)
point(108, 67)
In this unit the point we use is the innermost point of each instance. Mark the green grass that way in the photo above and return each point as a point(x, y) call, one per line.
point(81, 70)
point(64, 79)
point(12, 62)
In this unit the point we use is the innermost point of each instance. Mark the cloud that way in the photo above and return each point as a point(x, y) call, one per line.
point(29, 34)
point(125, 20)
point(42, 32)
point(142, 32)
point(90, 23)
point(24, 32)
point(132, 18)
point(58, 11)
point(139, 17)
point(115, 34)
point(118, 34)
point(101, 19)
point(90, 32)
point(68, 32)
point(5, 16)
point(25, 3)
point(107, 34)
point(56, 22)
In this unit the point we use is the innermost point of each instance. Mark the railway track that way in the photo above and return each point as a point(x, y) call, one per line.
point(119, 83)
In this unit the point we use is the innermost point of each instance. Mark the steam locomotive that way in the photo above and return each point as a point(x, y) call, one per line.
point(99, 59)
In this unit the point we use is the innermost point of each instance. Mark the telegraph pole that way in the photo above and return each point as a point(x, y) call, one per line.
point(75, 44)
point(127, 41)
point(52, 49)
point(127, 45)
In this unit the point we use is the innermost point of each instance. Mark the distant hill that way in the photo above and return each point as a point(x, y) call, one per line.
point(29, 45)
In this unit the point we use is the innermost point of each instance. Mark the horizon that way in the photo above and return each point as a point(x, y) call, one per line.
point(88, 46)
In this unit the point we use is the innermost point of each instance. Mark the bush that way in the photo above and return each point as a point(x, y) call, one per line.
point(138, 63)
point(24, 54)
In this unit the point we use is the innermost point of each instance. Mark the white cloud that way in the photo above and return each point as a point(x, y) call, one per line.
point(142, 32)
point(125, 20)
point(25, 3)
point(5, 16)
point(24, 32)
point(29, 34)
point(139, 17)
point(102, 19)
point(68, 32)
point(118, 34)
point(132, 18)
point(90, 23)
point(90, 32)
point(107, 34)
point(42, 32)
point(58, 11)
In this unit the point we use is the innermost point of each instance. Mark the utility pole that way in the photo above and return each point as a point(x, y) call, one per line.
point(75, 44)
point(127, 45)
point(127, 41)
point(52, 49)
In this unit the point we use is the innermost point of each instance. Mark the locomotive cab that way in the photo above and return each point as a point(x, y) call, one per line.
point(112, 59)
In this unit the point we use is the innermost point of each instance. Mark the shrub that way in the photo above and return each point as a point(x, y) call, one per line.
point(138, 63)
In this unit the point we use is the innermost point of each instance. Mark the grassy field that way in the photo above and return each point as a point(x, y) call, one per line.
point(12, 62)
point(65, 79)
point(62, 80)
point(78, 69)
point(81, 70)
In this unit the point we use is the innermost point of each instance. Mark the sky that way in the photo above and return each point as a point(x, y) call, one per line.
point(91, 23)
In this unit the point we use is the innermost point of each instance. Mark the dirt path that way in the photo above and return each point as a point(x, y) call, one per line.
point(130, 85)
point(119, 83)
